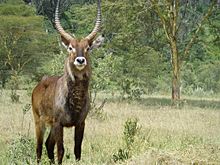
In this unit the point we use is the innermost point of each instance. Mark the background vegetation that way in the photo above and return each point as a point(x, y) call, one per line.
point(133, 70)
point(136, 58)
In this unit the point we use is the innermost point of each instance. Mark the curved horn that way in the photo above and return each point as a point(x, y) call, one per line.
point(97, 24)
point(59, 26)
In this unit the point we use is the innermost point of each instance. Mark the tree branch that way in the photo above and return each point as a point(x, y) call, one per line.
point(162, 18)
point(204, 18)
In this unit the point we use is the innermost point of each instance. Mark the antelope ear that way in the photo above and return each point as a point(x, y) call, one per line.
point(65, 42)
point(97, 42)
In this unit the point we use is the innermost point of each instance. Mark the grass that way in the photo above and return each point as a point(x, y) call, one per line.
point(167, 135)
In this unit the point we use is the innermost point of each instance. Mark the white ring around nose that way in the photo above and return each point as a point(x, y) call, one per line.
point(80, 62)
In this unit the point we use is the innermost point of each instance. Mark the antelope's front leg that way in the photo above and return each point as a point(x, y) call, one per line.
point(39, 128)
point(79, 131)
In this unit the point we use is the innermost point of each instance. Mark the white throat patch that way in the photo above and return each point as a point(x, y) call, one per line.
point(69, 71)
point(80, 67)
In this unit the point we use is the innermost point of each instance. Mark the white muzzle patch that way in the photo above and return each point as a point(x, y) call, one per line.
point(80, 63)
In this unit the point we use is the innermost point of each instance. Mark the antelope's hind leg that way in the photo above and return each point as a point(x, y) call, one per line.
point(40, 129)
point(50, 143)
point(59, 140)
point(55, 137)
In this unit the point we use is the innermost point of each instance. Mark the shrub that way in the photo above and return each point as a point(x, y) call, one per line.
point(21, 150)
point(14, 96)
point(131, 130)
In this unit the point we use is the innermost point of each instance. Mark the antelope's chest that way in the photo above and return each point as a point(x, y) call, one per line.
point(76, 108)
point(75, 101)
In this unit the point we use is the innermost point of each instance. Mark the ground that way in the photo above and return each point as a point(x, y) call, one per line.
point(189, 134)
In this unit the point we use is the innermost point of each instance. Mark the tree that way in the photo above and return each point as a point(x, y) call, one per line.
point(172, 14)
point(126, 64)
point(47, 7)
point(22, 41)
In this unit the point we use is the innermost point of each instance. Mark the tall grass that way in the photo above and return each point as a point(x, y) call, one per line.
point(186, 135)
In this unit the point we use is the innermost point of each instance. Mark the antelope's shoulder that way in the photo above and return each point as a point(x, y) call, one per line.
point(47, 80)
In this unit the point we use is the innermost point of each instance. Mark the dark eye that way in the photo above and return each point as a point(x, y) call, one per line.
point(87, 49)
point(71, 49)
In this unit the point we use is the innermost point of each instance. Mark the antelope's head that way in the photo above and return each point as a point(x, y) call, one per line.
point(78, 59)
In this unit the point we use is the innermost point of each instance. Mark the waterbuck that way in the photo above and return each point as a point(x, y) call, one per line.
point(63, 101)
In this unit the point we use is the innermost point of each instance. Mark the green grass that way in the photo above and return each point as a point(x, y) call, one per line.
point(186, 135)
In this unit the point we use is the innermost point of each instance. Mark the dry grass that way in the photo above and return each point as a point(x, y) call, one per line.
point(190, 135)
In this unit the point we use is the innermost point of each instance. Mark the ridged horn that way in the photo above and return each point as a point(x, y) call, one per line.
point(59, 26)
point(97, 24)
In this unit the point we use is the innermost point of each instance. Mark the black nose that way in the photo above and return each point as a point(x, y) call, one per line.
point(80, 60)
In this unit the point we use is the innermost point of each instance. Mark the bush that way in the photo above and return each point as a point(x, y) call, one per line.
point(13, 84)
point(21, 150)
point(121, 155)
point(131, 130)
point(201, 79)
point(14, 96)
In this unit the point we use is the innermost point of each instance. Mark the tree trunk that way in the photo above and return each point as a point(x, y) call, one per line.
point(176, 71)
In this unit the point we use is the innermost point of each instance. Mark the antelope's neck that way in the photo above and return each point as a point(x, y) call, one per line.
point(76, 101)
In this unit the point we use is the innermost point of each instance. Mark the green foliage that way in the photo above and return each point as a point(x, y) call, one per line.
point(201, 79)
point(200, 74)
point(16, 10)
point(135, 58)
point(131, 129)
point(20, 150)
point(125, 64)
point(209, 76)
point(121, 155)
point(14, 2)
point(13, 84)
point(54, 66)
point(24, 45)
point(47, 7)
point(14, 96)
point(131, 61)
